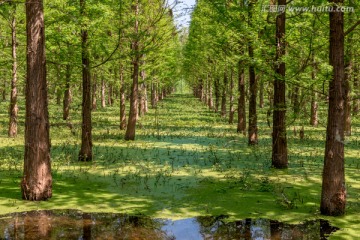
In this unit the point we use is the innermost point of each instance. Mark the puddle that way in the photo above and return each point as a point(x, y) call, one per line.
point(73, 224)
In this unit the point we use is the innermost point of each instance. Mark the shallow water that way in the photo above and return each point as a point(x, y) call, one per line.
point(73, 224)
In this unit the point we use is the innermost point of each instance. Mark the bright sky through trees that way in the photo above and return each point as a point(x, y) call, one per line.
point(182, 12)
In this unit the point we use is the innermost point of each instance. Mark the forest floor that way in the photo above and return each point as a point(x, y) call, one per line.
point(186, 162)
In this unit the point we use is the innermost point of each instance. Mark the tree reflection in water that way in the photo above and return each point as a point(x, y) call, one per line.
point(72, 224)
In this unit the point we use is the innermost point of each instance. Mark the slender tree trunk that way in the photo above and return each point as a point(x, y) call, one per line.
point(223, 95)
point(103, 87)
point(36, 184)
point(122, 99)
point(146, 107)
point(94, 92)
point(130, 130)
point(210, 93)
point(110, 95)
point(347, 87)
point(261, 93)
point(253, 130)
point(142, 100)
point(314, 120)
point(13, 98)
point(217, 93)
point(333, 196)
point(231, 100)
point(241, 126)
point(153, 95)
point(67, 94)
point(279, 143)
point(85, 153)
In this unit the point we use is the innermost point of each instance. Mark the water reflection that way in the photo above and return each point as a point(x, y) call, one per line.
point(72, 224)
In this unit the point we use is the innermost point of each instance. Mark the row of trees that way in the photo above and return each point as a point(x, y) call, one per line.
point(127, 47)
point(272, 52)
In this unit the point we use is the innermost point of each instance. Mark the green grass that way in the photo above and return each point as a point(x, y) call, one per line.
point(188, 163)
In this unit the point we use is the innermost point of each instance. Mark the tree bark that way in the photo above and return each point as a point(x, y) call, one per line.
point(217, 93)
point(241, 126)
point(36, 184)
point(103, 87)
point(122, 99)
point(94, 92)
point(261, 93)
point(110, 95)
point(210, 102)
point(333, 196)
point(314, 119)
point(252, 130)
point(347, 87)
point(231, 99)
point(223, 95)
point(85, 153)
point(153, 95)
point(131, 127)
point(279, 141)
point(13, 97)
point(67, 94)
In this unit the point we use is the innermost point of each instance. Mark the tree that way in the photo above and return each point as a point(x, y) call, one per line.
point(253, 129)
point(13, 97)
point(279, 142)
point(333, 195)
point(37, 180)
point(85, 153)
point(131, 126)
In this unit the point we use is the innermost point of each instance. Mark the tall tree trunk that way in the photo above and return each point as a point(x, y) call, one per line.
point(13, 98)
point(85, 153)
point(110, 95)
point(314, 120)
point(141, 100)
point(253, 130)
point(210, 93)
point(103, 87)
point(333, 196)
point(36, 184)
point(223, 95)
point(279, 142)
point(217, 93)
point(231, 100)
point(241, 126)
point(261, 93)
point(153, 95)
point(122, 99)
point(347, 87)
point(94, 92)
point(67, 94)
point(130, 130)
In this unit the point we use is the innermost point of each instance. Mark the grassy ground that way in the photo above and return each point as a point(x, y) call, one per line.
point(185, 162)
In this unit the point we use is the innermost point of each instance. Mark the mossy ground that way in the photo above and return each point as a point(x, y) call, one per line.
point(186, 161)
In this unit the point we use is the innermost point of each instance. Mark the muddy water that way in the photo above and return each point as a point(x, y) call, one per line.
point(72, 224)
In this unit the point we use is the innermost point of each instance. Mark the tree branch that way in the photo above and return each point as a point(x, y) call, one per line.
point(352, 28)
